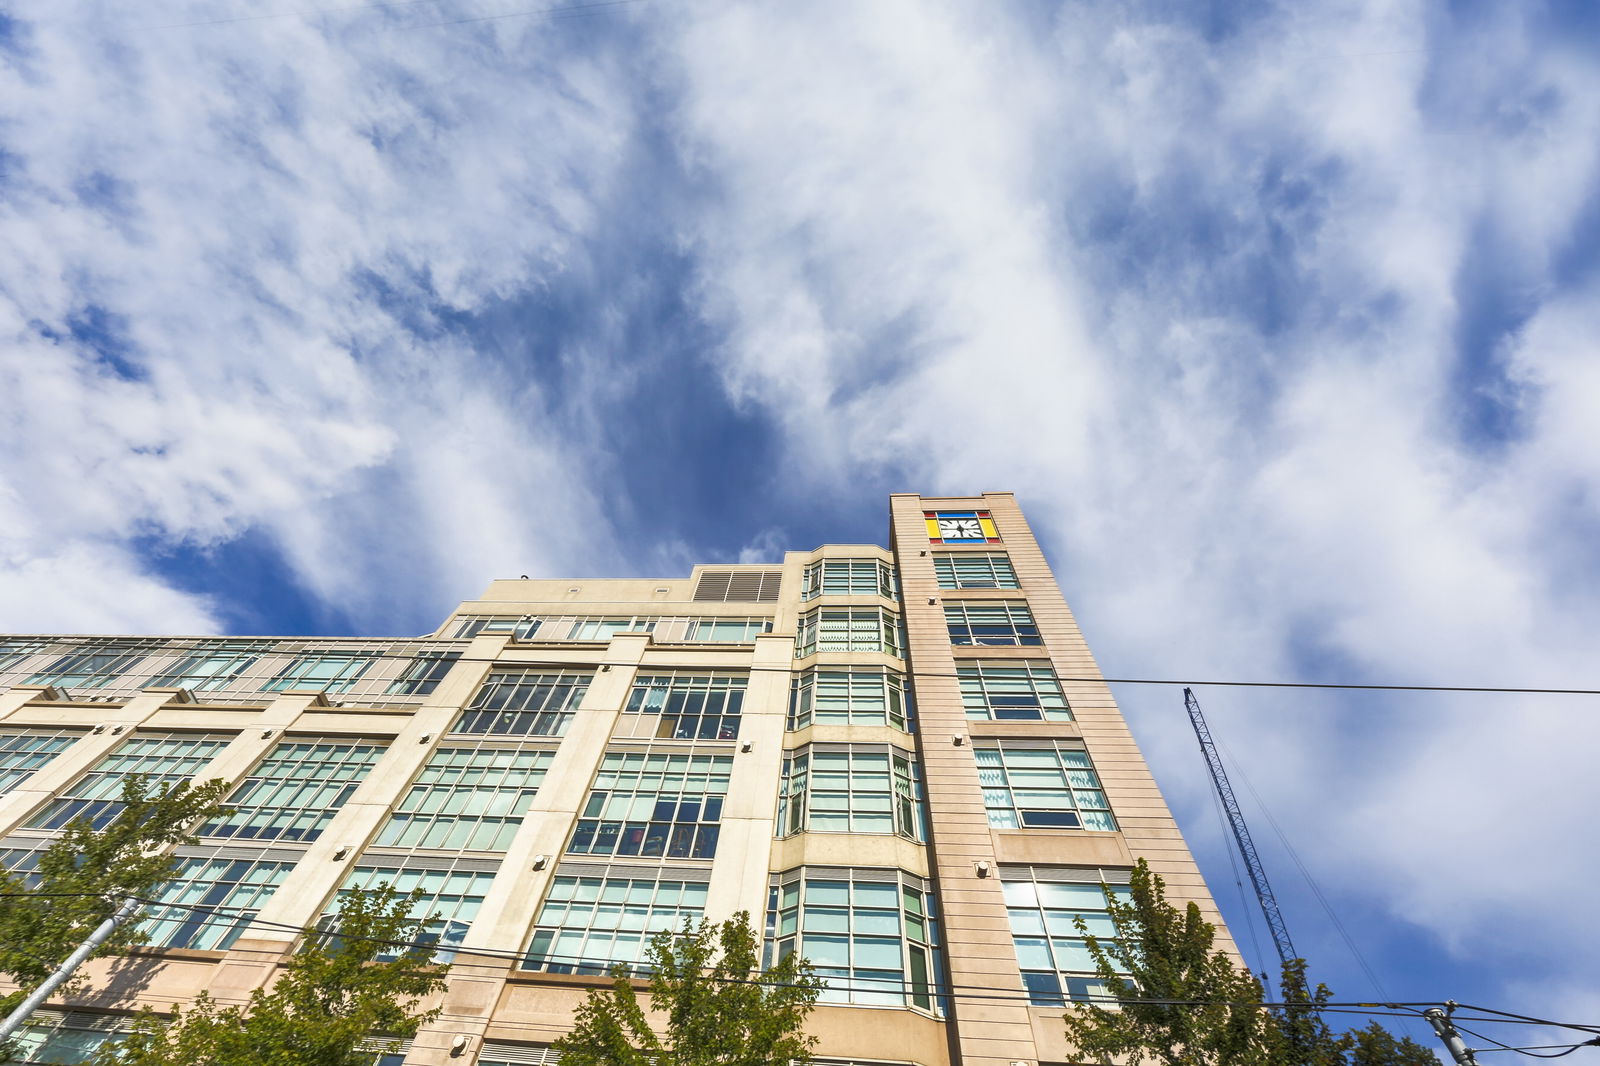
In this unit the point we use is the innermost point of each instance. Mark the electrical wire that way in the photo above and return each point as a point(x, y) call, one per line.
point(1406, 1010)
point(1531, 1052)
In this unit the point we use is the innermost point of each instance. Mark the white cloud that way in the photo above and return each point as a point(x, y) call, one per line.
point(1197, 301)
point(239, 212)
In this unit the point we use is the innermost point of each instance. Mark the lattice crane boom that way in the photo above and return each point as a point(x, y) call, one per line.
point(1241, 832)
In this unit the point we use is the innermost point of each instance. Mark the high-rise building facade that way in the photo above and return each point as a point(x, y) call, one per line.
point(901, 763)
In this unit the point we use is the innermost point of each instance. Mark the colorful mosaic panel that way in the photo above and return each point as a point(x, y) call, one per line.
point(961, 527)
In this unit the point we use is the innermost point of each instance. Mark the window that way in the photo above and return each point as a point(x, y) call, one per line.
point(871, 931)
point(1041, 787)
point(467, 799)
point(67, 1038)
point(961, 527)
point(331, 672)
point(974, 570)
point(91, 666)
point(654, 805)
point(991, 624)
point(666, 630)
point(472, 626)
point(523, 703)
point(449, 897)
point(601, 629)
point(13, 653)
point(692, 707)
point(164, 760)
point(209, 902)
point(848, 577)
point(865, 696)
point(210, 666)
point(423, 674)
point(23, 754)
point(1043, 904)
point(848, 629)
point(1014, 691)
point(296, 791)
point(850, 790)
point(727, 630)
point(589, 924)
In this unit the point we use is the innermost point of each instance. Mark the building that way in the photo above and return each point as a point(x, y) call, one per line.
point(902, 761)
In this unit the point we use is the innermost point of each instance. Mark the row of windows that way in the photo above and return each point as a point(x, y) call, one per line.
point(216, 665)
point(848, 577)
point(709, 629)
point(849, 629)
point(870, 934)
point(855, 790)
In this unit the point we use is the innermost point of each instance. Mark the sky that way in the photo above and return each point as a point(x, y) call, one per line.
point(1279, 318)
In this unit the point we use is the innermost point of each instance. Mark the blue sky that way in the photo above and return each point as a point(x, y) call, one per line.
point(1279, 318)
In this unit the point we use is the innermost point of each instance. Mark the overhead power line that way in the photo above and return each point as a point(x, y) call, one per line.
point(1406, 1010)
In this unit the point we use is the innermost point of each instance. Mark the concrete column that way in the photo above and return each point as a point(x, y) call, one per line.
point(507, 913)
point(739, 874)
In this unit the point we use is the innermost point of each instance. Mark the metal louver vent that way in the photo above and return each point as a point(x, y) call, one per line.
point(518, 1054)
point(738, 586)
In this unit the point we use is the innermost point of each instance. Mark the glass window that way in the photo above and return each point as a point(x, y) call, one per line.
point(991, 624)
point(1012, 692)
point(848, 577)
point(467, 799)
point(727, 630)
point(848, 629)
point(332, 672)
point(590, 923)
point(1044, 906)
point(1041, 788)
point(974, 570)
point(471, 627)
point(67, 1040)
point(163, 759)
point(22, 754)
point(871, 931)
point(855, 790)
point(296, 791)
point(448, 897)
point(210, 666)
point(209, 902)
point(849, 696)
point(13, 653)
point(691, 706)
point(654, 804)
point(91, 666)
point(527, 703)
point(423, 674)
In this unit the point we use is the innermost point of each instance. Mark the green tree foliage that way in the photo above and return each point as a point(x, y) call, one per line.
point(332, 1000)
point(719, 1006)
point(1162, 953)
point(83, 874)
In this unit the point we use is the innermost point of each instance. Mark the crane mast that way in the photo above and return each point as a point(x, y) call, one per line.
point(1241, 832)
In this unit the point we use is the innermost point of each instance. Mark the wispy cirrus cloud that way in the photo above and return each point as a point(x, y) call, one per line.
point(1278, 318)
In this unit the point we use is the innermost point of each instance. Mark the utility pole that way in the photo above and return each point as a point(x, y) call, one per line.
point(1439, 1018)
point(14, 1021)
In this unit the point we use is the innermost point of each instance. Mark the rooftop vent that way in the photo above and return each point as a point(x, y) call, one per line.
point(738, 586)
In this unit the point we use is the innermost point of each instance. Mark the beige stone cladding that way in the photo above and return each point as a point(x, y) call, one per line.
point(961, 837)
point(866, 612)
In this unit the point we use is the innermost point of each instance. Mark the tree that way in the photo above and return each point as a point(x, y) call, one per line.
point(84, 874)
point(1161, 953)
point(721, 1008)
point(334, 997)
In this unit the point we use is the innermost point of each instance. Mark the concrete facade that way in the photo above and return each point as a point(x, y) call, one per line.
point(920, 762)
